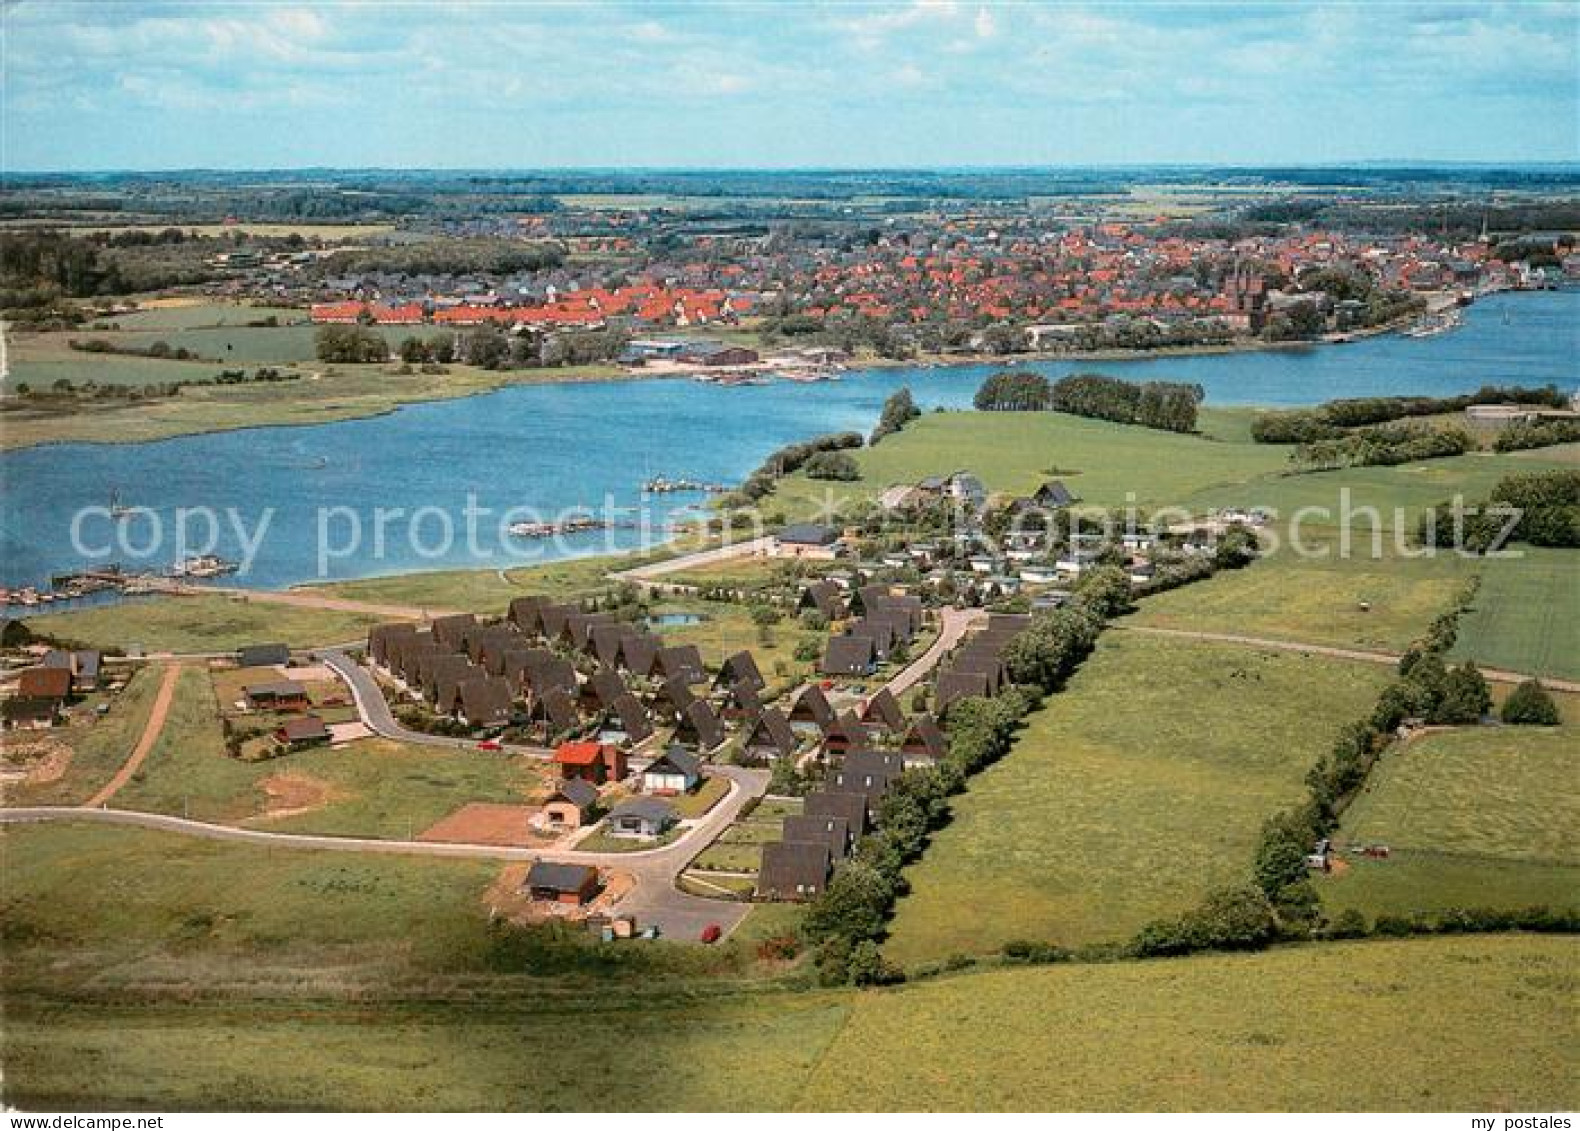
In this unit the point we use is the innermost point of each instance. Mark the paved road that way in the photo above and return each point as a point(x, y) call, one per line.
point(647, 575)
point(654, 901)
point(151, 731)
point(376, 715)
point(953, 625)
point(1496, 675)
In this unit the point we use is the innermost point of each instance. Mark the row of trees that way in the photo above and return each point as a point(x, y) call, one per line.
point(848, 921)
point(1524, 434)
point(1383, 445)
point(786, 460)
point(1167, 405)
point(1329, 420)
point(1541, 508)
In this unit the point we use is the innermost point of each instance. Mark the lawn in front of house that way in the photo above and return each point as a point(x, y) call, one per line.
point(1129, 795)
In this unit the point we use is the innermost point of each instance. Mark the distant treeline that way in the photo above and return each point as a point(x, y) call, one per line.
point(159, 349)
point(1329, 420)
point(450, 257)
point(1167, 405)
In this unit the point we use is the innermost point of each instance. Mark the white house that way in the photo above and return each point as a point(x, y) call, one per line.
point(673, 772)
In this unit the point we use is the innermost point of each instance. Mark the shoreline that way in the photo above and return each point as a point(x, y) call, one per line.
point(607, 375)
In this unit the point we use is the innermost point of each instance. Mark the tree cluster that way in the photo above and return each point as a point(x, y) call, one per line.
point(898, 411)
point(1541, 508)
point(1166, 405)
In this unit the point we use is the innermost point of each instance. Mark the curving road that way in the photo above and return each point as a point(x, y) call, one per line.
point(654, 901)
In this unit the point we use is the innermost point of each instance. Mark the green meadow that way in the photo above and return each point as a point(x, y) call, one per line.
point(1108, 465)
point(1128, 795)
point(1347, 599)
point(1526, 616)
point(207, 623)
point(372, 787)
point(1474, 817)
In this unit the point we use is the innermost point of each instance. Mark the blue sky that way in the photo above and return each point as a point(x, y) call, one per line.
point(267, 85)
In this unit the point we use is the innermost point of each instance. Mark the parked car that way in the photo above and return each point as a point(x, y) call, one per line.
point(711, 933)
point(491, 744)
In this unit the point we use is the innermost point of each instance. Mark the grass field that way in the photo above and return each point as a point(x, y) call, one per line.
point(1130, 794)
point(326, 393)
point(372, 787)
point(1526, 617)
point(201, 624)
point(99, 746)
point(1479, 817)
point(1445, 1024)
point(1286, 1030)
point(1105, 464)
point(1288, 596)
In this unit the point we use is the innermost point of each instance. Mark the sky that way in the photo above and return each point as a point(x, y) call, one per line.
point(246, 85)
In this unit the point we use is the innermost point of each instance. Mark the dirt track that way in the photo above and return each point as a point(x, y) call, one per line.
point(151, 732)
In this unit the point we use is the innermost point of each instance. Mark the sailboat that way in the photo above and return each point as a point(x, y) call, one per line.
point(117, 508)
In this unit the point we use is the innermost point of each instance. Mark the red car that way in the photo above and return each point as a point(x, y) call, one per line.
point(491, 744)
point(711, 933)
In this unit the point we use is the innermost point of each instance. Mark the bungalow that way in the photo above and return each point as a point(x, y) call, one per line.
point(281, 695)
point(643, 817)
point(955, 686)
point(831, 831)
point(571, 803)
point(263, 656)
point(382, 637)
point(674, 699)
point(1054, 495)
point(793, 870)
point(700, 727)
point(44, 683)
point(84, 665)
point(639, 653)
point(845, 735)
point(526, 613)
point(1039, 575)
point(578, 628)
point(545, 672)
point(448, 630)
point(923, 743)
point(596, 763)
point(300, 733)
point(810, 540)
point(673, 772)
point(30, 714)
point(852, 807)
point(884, 710)
point(823, 597)
point(551, 619)
point(628, 722)
point(769, 737)
point(811, 711)
point(574, 884)
point(602, 689)
point(442, 679)
point(870, 783)
point(741, 702)
point(877, 630)
point(738, 669)
point(849, 655)
point(682, 661)
point(556, 707)
point(605, 641)
point(485, 701)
